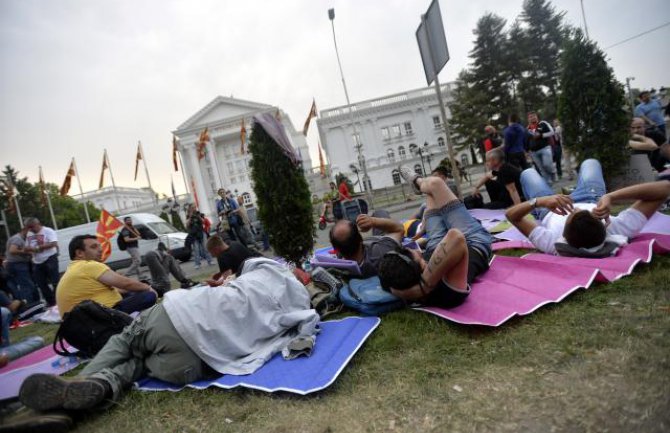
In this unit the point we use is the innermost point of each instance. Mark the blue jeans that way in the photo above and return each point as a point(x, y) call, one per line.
point(454, 215)
point(45, 273)
point(136, 301)
point(199, 251)
point(544, 160)
point(23, 286)
point(5, 323)
point(590, 185)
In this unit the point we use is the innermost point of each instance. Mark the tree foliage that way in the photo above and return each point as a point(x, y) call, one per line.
point(591, 106)
point(284, 200)
point(68, 211)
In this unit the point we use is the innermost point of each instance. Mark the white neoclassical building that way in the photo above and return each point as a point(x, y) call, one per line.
point(129, 199)
point(224, 166)
point(405, 127)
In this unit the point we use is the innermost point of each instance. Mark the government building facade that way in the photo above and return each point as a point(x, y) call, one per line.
point(400, 128)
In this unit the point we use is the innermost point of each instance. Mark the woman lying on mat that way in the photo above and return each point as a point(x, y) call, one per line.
point(579, 224)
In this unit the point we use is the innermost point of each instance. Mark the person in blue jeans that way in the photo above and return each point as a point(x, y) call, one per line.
point(580, 224)
point(458, 250)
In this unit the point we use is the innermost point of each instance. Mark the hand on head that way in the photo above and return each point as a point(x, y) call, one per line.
point(364, 222)
point(603, 209)
point(559, 204)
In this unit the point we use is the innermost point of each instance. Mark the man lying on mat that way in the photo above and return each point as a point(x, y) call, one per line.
point(458, 250)
point(579, 224)
point(233, 329)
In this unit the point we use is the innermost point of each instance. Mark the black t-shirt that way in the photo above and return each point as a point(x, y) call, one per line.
point(507, 174)
point(374, 249)
point(127, 233)
point(234, 257)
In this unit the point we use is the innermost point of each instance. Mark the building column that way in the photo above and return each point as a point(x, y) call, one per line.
point(195, 176)
point(211, 154)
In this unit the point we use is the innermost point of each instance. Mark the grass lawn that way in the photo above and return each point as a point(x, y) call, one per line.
point(598, 361)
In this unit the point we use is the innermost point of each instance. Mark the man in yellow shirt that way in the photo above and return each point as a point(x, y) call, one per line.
point(88, 278)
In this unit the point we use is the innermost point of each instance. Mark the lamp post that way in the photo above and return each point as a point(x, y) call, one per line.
point(357, 142)
point(355, 170)
point(428, 157)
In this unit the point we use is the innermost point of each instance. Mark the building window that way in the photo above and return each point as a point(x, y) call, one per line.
point(396, 177)
point(395, 131)
point(231, 167)
point(401, 152)
point(233, 179)
point(418, 170)
point(440, 142)
point(464, 159)
point(246, 198)
point(357, 139)
point(436, 122)
point(408, 128)
point(391, 155)
point(386, 134)
point(412, 149)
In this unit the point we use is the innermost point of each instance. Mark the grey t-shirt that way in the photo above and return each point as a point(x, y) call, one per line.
point(17, 240)
point(374, 249)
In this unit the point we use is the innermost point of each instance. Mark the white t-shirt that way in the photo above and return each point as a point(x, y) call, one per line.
point(44, 236)
point(628, 223)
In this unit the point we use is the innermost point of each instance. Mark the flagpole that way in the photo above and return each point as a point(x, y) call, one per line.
point(111, 175)
point(46, 193)
point(183, 175)
point(5, 223)
point(18, 208)
point(81, 190)
point(146, 170)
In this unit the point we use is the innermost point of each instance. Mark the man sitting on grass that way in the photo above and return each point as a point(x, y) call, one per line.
point(233, 329)
point(230, 256)
point(579, 224)
point(458, 250)
point(87, 277)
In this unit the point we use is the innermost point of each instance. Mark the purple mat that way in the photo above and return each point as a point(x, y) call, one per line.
point(519, 286)
point(336, 344)
point(658, 223)
point(488, 214)
point(44, 360)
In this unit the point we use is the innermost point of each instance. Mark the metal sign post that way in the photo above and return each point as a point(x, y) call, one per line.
point(435, 54)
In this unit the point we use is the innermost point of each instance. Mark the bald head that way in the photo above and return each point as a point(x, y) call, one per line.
point(345, 238)
point(495, 158)
point(637, 126)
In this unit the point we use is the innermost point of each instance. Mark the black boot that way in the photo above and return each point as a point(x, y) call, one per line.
point(46, 392)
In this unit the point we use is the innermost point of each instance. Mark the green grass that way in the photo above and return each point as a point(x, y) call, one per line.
point(598, 361)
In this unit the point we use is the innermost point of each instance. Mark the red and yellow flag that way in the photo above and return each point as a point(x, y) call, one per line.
point(138, 158)
point(104, 167)
point(310, 116)
point(243, 137)
point(107, 227)
point(202, 143)
point(174, 153)
point(68, 180)
point(322, 165)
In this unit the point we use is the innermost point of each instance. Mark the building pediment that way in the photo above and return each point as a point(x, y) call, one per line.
point(221, 109)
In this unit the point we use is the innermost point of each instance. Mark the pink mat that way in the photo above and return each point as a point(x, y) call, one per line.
point(44, 360)
point(519, 286)
point(508, 245)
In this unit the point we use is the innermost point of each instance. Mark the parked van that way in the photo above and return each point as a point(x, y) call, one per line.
point(152, 229)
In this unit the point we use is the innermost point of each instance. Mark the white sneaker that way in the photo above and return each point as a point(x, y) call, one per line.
point(410, 177)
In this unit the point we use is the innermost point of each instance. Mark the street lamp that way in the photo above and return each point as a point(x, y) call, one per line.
point(428, 157)
point(357, 142)
point(355, 170)
point(630, 94)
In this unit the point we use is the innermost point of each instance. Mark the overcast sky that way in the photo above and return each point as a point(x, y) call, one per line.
point(82, 75)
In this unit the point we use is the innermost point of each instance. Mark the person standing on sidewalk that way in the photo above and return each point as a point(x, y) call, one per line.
point(541, 137)
point(44, 243)
point(17, 262)
point(131, 237)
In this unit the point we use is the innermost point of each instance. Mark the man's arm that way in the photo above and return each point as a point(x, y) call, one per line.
point(122, 283)
point(482, 181)
point(559, 204)
point(392, 228)
point(649, 197)
point(15, 249)
point(511, 189)
point(640, 142)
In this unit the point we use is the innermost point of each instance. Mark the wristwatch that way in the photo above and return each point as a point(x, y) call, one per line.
point(533, 202)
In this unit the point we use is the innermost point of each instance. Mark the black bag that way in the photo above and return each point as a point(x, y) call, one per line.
point(473, 201)
point(121, 242)
point(88, 327)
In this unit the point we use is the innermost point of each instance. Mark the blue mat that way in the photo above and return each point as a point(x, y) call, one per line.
point(336, 344)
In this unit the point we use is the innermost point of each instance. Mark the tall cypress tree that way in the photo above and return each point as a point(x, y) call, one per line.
point(467, 117)
point(591, 106)
point(284, 200)
point(543, 34)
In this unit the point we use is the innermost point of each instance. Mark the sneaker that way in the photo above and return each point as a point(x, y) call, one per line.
point(410, 177)
point(323, 278)
point(188, 283)
point(197, 267)
point(26, 420)
point(45, 392)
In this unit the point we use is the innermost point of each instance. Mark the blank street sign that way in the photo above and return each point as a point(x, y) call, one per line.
point(432, 42)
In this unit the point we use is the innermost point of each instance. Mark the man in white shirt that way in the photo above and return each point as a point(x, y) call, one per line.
point(579, 224)
point(44, 242)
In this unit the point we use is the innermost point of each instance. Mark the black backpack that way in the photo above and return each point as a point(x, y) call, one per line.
point(88, 327)
point(121, 242)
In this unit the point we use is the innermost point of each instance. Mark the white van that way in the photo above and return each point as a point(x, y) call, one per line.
point(152, 229)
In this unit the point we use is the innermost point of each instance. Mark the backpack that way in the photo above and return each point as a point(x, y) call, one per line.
point(121, 242)
point(368, 297)
point(88, 327)
point(323, 290)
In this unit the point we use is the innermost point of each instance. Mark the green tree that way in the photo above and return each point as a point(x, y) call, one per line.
point(467, 117)
point(591, 106)
point(543, 35)
point(284, 200)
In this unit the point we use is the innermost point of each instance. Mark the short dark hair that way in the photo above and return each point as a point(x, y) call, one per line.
point(514, 118)
point(398, 269)
point(442, 170)
point(584, 230)
point(77, 243)
point(351, 243)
